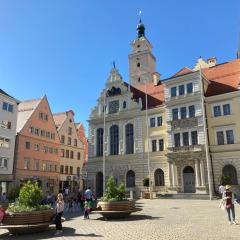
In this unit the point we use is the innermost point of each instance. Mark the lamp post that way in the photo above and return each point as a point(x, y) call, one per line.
point(206, 138)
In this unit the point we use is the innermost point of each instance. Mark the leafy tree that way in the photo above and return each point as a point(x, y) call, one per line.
point(30, 195)
point(114, 192)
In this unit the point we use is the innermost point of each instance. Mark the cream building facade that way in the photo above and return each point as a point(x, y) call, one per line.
point(71, 152)
point(164, 129)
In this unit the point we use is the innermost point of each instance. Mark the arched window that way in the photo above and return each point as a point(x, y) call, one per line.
point(114, 140)
point(99, 142)
point(231, 172)
point(129, 138)
point(159, 177)
point(130, 179)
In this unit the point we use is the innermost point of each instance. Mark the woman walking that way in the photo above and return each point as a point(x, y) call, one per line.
point(59, 212)
point(229, 198)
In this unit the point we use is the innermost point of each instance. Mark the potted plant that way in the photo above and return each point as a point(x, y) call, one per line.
point(146, 184)
point(114, 204)
point(27, 213)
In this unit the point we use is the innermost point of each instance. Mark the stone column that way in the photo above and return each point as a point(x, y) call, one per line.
point(203, 183)
point(170, 174)
point(197, 173)
point(173, 175)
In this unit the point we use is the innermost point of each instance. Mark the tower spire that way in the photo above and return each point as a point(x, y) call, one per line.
point(140, 27)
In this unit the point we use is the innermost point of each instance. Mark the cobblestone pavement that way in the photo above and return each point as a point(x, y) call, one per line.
point(159, 219)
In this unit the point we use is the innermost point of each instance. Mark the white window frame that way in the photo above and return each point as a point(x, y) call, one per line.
point(224, 129)
point(177, 89)
point(189, 137)
point(221, 107)
point(3, 161)
point(155, 117)
point(157, 144)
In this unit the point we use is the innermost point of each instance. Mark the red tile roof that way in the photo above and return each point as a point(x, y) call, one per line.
point(59, 118)
point(223, 77)
point(183, 71)
point(155, 95)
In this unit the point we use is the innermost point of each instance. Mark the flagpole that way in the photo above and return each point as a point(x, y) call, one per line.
point(206, 139)
point(148, 157)
point(104, 140)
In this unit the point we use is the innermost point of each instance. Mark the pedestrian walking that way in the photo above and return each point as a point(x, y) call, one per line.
point(87, 209)
point(88, 194)
point(59, 212)
point(228, 196)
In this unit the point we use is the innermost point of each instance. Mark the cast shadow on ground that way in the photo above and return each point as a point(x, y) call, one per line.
point(132, 217)
point(48, 234)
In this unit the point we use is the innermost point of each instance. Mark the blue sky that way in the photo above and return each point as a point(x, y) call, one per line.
point(65, 48)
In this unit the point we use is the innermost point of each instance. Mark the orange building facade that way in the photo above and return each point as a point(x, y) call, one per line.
point(37, 150)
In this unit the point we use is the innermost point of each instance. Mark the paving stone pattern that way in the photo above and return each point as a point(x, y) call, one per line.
point(159, 219)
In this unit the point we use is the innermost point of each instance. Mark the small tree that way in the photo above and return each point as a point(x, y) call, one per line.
point(114, 193)
point(30, 195)
point(146, 182)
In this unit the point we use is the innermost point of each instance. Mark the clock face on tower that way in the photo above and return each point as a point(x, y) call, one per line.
point(114, 106)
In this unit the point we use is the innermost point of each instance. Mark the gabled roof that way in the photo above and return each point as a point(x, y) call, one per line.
point(155, 95)
point(4, 93)
point(59, 119)
point(25, 110)
point(183, 71)
point(223, 77)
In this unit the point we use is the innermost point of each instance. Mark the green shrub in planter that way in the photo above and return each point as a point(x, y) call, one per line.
point(114, 192)
point(30, 195)
point(146, 182)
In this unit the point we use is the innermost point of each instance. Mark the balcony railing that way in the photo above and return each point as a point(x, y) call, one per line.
point(184, 123)
point(190, 148)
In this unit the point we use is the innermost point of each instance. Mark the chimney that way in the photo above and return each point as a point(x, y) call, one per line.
point(156, 78)
point(212, 61)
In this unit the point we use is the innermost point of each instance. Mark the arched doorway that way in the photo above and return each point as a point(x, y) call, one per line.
point(230, 171)
point(159, 177)
point(130, 179)
point(189, 180)
point(99, 185)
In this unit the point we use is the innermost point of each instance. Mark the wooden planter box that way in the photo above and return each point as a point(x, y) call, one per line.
point(116, 206)
point(146, 195)
point(26, 218)
point(28, 221)
point(119, 209)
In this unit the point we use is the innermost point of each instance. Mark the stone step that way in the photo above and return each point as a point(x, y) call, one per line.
point(183, 196)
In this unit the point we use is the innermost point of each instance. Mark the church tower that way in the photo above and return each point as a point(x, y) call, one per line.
point(142, 63)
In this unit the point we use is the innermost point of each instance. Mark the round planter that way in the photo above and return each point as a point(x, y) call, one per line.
point(116, 206)
point(29, 218)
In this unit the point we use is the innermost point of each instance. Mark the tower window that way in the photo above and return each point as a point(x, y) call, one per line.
point(138, 46)
point(139, 79)
point(138, 64)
